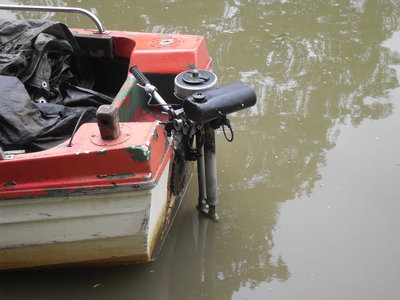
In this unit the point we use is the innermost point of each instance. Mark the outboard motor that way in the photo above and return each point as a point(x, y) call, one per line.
point(205, 107)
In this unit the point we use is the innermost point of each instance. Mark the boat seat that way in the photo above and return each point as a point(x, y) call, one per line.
point(96, 46)
point(110, 70)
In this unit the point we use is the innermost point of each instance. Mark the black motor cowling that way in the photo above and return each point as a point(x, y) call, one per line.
point(206, 106)
point(204, 101)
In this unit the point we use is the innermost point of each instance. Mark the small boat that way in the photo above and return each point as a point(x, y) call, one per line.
point(108, 191)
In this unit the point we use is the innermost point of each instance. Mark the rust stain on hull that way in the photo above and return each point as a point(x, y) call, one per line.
point(169, 212)
point(77, 253)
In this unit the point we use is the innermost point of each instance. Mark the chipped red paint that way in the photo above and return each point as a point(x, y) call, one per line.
point(77, 168)
point(127, 85)
point(142, 115)
point(127, 99)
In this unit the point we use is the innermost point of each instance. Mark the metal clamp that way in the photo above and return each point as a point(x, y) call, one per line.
point(85, 12)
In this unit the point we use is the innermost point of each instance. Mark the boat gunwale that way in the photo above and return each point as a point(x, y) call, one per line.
point(105, 188)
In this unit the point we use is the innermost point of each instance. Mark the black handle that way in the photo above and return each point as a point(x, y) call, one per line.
point(139, 76)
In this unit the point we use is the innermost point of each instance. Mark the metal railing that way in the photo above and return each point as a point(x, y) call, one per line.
point(85, 12)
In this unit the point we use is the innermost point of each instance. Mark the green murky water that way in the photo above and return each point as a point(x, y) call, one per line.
point(309, 190)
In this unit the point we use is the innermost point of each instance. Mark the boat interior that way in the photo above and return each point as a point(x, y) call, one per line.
point(111, 70)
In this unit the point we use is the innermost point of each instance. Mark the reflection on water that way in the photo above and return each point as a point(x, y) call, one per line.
point(316, 66)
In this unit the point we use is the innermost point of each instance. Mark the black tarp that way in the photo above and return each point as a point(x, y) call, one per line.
point(45, 85)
